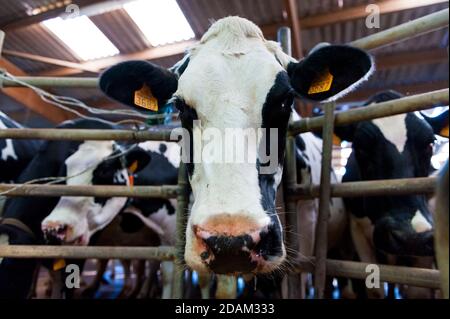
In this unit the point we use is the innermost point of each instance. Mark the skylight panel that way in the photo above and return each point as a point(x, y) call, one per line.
point(161, 21)
point(82, 36)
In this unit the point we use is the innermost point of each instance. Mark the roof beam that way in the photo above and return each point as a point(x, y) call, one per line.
point(292, 14)
point(48, 60)
point(399, 59)
point(410, 89)
point(148, 54)
point(30, 99)
point(352, 13)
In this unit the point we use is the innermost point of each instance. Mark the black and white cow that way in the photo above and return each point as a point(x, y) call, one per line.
point(394, 229)
point(235, 79)
point(97, 163)
point(14, 154)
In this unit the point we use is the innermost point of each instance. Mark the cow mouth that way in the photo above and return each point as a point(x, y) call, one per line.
point(78, 241)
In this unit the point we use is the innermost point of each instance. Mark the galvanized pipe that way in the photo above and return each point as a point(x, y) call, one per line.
point(2, 39)
point(350, 269)
point(43, 190)
point(404, 105)
point(324, 202)
point(420, 277)
point(404, 31)
point(294, 286)
point(55, 82)
point(87, 252)
point(162, 134)
point(181, 222)
point(391, 187)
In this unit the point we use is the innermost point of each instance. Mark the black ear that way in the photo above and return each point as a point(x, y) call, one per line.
point(137, 158)
point(347, 65)
point(122, 80)
point(438, 123)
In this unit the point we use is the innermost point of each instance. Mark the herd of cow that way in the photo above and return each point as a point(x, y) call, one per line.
point(232, 78)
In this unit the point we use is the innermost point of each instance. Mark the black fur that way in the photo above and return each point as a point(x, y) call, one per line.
point(123, 79)
point(347, 65)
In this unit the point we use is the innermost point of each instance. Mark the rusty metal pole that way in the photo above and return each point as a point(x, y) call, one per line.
point(181, 221)
point(290, 180)
point(324, 202)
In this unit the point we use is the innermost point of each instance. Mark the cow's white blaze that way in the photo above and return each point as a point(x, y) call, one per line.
point(8, 150)
point(4, 240)
point(394, 130)
point(82, 214)
point(419, 223)
point(230, 73)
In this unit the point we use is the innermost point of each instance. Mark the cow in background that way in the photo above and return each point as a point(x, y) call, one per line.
point(93, 163)
point(14, 154)
point(391, 229)
point(234, 78)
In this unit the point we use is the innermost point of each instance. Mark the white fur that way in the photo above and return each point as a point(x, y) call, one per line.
point(82, 214)
point(393, 129)
point(419, 223)
point(167, 223)
point(4, 240)
point(229, 75)
point(8, 151)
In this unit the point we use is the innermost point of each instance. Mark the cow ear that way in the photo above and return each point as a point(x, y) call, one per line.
point(123, 80)
point(438, 123)
point(329, 72)
point(136, 159)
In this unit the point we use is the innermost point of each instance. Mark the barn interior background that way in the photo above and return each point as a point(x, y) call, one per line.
point(40, 43)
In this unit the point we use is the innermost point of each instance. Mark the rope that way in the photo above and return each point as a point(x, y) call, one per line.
point(66, 103)
point(57, 179)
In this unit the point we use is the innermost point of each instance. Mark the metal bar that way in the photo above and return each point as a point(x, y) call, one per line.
point(391, 187)
point(350, 269)
point(294, 286)
point(87, 252)
point(2, 39)
point(420, 277)
point(181, 222)
point(441, 220)
point(43, 190)
point(55, 82)
point(404, 31)
point(324, 202)
point(404, 105)
point(85, 135)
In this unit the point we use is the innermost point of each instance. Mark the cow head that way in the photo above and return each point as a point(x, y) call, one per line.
point(399, 146)
point(75, 219)
point(236, 82)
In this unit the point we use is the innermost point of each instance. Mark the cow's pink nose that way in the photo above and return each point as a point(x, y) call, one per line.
point(55, 233)
point(230, 244)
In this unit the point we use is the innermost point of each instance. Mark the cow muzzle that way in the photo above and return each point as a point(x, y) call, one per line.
point(60, 233)
point(237, 245)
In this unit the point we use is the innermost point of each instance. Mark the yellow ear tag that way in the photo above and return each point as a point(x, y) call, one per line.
point(133, 167)
point(336, 140)
point(322, 83)
point(59, 264)
point(145, 99)
point(444, 132)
